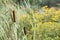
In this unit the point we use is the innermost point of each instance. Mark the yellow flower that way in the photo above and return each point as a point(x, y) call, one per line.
point(36, 15)
point(48, 23)
point(57, 12)
point(44, 7)
point(28, 16)
point(22, 17)
point(54, 18)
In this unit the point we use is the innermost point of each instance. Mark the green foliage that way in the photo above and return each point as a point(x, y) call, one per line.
point(40, 2)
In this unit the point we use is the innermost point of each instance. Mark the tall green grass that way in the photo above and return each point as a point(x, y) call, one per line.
point(10, 30)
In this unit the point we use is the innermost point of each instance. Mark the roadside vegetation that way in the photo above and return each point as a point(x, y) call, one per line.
point(25, 21)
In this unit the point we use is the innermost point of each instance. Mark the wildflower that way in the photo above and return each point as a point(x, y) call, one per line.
point(45, 8)
point(54, 19)
point(49, 22)
point(57, 12)
point(22, 17)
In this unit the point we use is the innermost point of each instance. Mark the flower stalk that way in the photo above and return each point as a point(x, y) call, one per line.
point(24, 30)
point(14, 15)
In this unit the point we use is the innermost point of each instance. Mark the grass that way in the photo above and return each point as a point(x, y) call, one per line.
point(19, 22)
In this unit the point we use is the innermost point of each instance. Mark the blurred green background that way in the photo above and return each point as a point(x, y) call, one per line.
point(39, 2)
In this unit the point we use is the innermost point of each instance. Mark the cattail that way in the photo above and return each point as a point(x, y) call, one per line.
point(14, 16)
point(24, 30)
